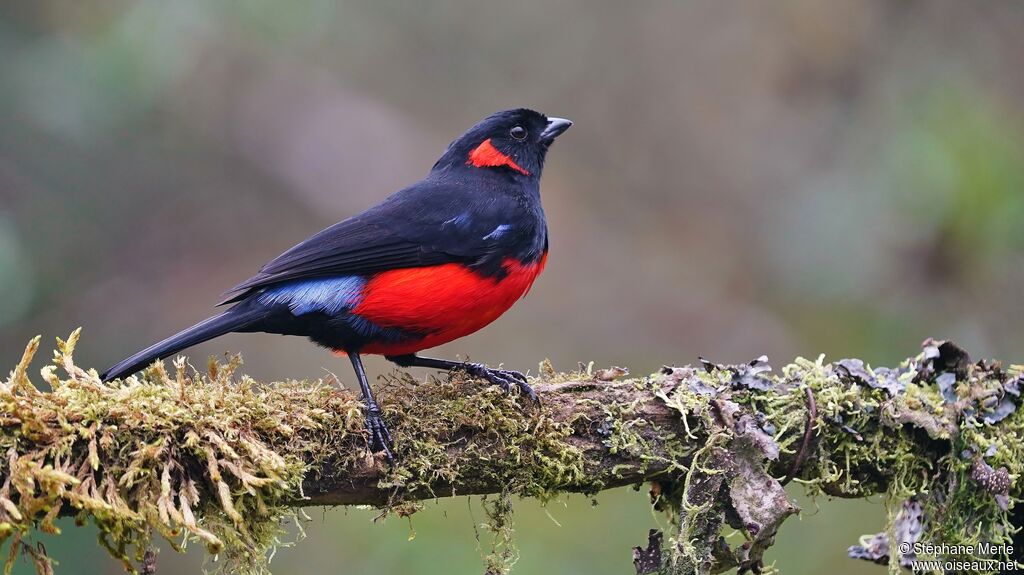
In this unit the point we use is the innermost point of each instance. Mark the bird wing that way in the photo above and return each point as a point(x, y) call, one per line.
point(423, 225)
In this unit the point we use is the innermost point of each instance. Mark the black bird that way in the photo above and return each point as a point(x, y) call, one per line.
point(433, 262)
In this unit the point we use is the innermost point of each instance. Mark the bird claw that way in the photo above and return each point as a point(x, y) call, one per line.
point(380, 437)
point(506, 379)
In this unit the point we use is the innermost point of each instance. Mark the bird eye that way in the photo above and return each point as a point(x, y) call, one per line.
point(518, 133)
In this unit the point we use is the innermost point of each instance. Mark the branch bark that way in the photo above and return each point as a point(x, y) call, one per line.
point(578, 405)
point(222, 457)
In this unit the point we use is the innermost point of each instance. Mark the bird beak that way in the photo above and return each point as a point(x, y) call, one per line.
point(554, 128)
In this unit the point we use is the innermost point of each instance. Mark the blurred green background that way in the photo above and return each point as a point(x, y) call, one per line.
point(786, 178)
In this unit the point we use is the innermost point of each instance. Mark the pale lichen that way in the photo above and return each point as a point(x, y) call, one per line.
point(937, 431)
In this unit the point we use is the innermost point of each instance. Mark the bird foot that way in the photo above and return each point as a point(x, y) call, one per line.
point(506, 379)
point(380, 437)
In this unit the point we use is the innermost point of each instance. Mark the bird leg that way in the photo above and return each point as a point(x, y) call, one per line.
point(504, 378)
point(380, 437)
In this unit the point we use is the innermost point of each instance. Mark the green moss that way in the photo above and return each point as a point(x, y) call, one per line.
point(456, 430)
point(503, 553)
point(192, 457)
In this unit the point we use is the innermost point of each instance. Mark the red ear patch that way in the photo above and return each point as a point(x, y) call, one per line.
point(486, 155)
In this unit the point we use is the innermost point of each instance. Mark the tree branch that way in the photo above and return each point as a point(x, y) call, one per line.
point(224, 458)
point(581, 456)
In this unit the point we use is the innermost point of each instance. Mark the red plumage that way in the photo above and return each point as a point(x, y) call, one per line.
point(487, 156)
point(447, 301)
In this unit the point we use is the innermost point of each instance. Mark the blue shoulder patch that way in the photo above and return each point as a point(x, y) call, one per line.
point(327, 295)
point(460, 221)
point(498, 232)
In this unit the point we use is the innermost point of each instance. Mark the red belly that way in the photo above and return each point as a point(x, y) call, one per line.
point(447, 301)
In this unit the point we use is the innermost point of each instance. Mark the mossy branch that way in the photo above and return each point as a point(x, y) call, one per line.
point(223, 459)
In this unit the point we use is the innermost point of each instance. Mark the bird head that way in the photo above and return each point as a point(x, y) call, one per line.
point(512, 142)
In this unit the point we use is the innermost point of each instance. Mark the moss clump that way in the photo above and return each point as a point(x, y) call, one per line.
point(920, 446)
point(460, 431)
point(193, 457)
point(503, 553)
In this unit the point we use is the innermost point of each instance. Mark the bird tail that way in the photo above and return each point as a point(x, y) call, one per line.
point(231, 320)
